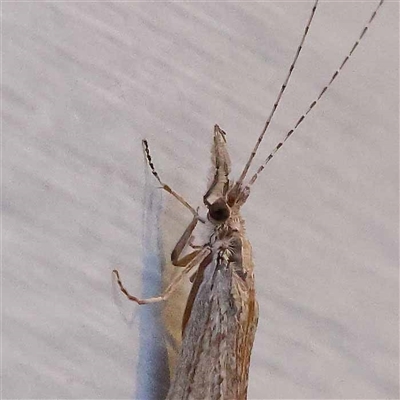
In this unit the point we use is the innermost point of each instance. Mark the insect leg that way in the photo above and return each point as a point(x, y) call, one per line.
point(163, 185)
point(192, 245)
point(202, 254)
point(196, 279)
point(182, 242)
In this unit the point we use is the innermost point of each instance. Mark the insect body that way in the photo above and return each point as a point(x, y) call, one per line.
point(221, 314)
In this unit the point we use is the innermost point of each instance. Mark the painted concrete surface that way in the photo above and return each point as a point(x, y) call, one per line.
point(84, 82)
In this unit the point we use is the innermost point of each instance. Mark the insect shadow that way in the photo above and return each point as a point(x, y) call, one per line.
point(152, 376)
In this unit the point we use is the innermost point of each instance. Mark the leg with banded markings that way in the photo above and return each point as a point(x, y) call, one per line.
point(200, 256)
point(163, 185)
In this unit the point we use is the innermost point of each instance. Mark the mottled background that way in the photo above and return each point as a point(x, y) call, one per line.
point(84, 82)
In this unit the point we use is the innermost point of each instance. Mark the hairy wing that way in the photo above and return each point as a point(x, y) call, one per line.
point(215, 354)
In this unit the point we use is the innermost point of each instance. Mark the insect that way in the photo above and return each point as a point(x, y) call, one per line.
point(221, 314)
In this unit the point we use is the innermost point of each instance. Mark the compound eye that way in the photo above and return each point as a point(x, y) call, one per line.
point(219, 211)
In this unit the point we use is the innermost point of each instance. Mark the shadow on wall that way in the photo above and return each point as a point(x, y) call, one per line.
point(152, 377)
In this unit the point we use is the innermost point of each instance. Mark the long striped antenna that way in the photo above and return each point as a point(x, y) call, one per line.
point(323, 91)
point(277, 101)
point(163, 185)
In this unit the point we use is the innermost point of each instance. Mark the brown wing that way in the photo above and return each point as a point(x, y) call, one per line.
point(249, 317)
point(245, 337)
point(215, 354)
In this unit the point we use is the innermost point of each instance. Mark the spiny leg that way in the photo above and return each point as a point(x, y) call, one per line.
point(163, 185)
point(171, 287)
point(323, 91)
point(278, 99)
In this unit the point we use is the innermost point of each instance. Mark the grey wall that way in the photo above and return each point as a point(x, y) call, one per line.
point(84, 82)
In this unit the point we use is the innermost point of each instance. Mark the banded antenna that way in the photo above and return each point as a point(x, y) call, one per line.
point(278, 99)
point(323, 91)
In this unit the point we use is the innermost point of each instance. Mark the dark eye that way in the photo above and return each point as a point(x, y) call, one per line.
point(219, 211)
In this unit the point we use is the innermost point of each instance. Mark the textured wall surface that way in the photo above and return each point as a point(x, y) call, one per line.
point(84, 82)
